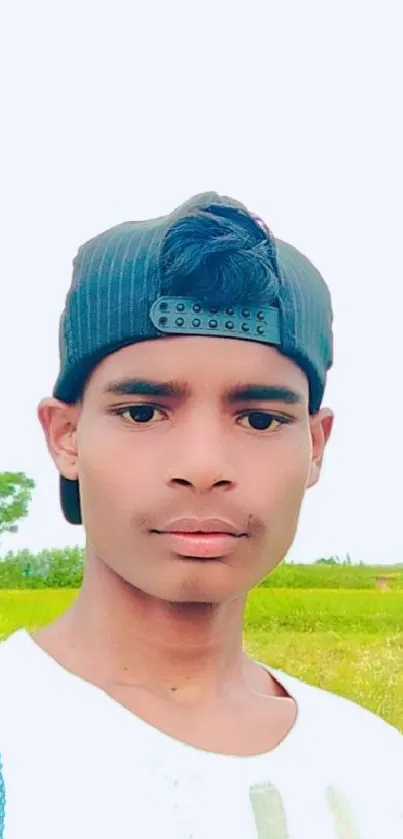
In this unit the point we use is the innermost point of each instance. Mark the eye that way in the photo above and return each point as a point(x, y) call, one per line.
point(262, 421)
point(138, 414)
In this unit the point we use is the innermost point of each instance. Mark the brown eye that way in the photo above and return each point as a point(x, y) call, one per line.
point(139, 413)
point(261, 421)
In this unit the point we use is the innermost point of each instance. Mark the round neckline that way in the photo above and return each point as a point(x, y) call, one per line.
point(286, 682)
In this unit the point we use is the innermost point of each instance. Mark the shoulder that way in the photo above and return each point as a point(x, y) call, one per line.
point(354, 748)
point(11, 646)
point(15, 667)
point(343, 724)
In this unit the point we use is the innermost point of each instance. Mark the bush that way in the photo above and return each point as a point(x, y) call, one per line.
point(48, 569)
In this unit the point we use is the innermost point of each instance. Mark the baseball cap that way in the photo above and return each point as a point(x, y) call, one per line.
point(120, 295)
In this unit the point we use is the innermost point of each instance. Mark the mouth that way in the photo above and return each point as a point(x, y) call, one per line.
point(199, 544)
point(200, 538)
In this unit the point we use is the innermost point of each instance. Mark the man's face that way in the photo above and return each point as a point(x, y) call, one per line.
point(198, 449)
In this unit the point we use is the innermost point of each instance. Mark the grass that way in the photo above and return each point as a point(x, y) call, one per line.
point(349, 642)
point(338, 576)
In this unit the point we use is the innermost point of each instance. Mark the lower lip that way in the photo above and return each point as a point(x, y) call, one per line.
point(201, 545)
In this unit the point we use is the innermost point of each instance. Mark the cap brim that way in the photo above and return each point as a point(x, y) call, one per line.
point(70, 500)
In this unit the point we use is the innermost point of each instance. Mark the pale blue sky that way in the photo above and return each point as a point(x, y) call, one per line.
point(116, 111)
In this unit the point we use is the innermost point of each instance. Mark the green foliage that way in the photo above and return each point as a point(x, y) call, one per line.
point(48, 569)
point(15, 496)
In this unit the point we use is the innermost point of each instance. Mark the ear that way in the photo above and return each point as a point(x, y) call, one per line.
point(321, 425)
point(59, 422)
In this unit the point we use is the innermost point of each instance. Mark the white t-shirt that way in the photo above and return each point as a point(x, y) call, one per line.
point(77, 765)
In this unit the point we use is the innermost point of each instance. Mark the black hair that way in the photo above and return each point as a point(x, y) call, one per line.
point(222, 256)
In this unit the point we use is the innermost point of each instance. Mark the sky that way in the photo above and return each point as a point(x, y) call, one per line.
point(118, 111)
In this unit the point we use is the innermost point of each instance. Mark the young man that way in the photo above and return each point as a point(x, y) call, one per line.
point(186, 424)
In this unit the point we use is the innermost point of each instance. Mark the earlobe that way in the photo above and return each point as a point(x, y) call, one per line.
point(315, 471)
point(59, 424)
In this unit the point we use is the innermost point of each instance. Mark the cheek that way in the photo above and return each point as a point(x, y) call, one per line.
point(282, 476)
point(111, 472)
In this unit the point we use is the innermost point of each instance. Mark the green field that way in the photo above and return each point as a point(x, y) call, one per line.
point(349, 642)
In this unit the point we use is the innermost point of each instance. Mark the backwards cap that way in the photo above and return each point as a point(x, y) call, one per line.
point(125, 289)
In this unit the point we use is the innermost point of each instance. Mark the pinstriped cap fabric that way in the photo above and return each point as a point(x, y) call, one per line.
point(118, 276)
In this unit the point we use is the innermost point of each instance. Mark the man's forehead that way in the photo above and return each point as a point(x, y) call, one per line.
point(190, 353)
point(195, 349)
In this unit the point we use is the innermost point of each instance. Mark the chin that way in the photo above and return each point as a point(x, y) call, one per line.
point(196, 581)
point(205, 587)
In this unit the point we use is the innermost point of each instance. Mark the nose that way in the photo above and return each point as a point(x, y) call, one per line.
point(202, 460)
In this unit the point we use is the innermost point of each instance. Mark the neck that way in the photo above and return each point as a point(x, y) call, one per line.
point(126, 636)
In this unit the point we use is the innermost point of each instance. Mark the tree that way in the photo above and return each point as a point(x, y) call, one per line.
point(332, 560)
point(15, 496)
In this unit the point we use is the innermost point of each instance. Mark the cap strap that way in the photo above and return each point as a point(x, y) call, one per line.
point(188, 316)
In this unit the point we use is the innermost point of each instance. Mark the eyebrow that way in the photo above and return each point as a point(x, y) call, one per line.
point(180, 390)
